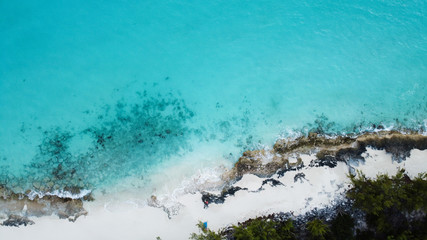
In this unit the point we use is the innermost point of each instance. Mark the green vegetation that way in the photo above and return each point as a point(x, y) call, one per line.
point(398, 192)
point(342, 227)
point(265, 229)
point(256, 229)
point(393, 208)
point(206, 234)
point(318, 229)
point(287, 230)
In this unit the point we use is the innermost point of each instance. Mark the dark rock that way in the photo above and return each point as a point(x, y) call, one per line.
point(208, 198)
point(299, 176)
point(329, 161)
point(16, 221)
point(272, 182)
point(291, 167)
point(398, 144)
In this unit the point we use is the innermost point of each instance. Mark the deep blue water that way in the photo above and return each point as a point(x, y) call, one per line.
point(96, 93)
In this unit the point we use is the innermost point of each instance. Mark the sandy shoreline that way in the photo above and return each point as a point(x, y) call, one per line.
point(320, 187)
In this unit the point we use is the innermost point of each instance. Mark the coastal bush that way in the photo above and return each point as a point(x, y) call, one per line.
point(342, 227)
point(265, 229)
point(394, 206)
point(206, 234)
point(257, 229)
point(385, 208)
point(318, 229)
point(287, 230)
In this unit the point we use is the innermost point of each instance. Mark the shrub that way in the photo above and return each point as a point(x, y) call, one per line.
point(257, 229)
point(317, 229)
point(389, 202)
point(287, 230)
point(342, 227)
point(205, 234)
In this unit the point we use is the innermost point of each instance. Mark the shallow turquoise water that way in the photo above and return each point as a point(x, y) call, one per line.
point(96, 93)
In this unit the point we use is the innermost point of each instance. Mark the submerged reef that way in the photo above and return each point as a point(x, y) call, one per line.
point(328, 150)
point(126, 140)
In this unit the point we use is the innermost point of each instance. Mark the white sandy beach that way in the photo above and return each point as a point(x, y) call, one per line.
point(127, 220)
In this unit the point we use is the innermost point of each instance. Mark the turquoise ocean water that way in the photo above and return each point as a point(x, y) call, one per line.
point(113, 93)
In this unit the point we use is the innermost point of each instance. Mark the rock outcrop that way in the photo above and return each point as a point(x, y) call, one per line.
point(328, 150)
point(16, 205)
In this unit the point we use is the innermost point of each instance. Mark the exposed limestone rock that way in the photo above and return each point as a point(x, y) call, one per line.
point(398, 144)
point(16, 204)
point(329, 150)
point(259, 162)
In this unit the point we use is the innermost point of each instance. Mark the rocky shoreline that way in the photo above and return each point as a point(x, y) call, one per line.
point(328, 150)
point(18, 207)
point(285, 156)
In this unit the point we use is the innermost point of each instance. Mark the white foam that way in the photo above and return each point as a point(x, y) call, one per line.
point(59, 193)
